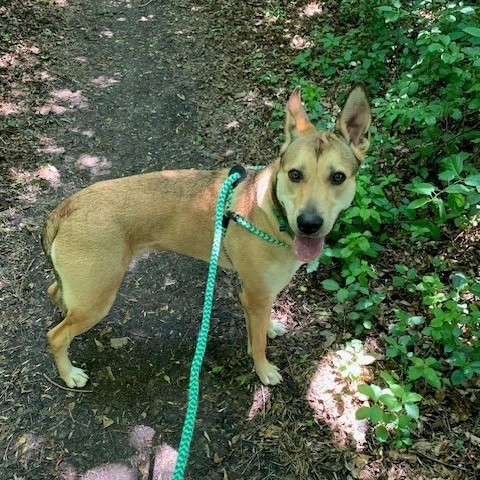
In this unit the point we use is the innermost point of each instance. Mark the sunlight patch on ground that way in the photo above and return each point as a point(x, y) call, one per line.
point(9, 108)
point(165, 459)
point(50, 147)
point(61, 101)
point(261, 398)
point(311, 9)
point(96, 165)
point(334, 400)
point(299, 43)
point(140, 466)
point(87, 133)
point(45, 172)
point(50, 174)
point(103, 81)
point(27, 180)
point(113, 471)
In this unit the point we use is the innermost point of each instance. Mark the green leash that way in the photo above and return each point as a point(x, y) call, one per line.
point(221, 221)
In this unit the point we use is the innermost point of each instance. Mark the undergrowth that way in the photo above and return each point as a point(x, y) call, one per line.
point(419, 190)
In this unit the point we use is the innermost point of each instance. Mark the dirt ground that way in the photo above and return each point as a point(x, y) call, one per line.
point(105, 89)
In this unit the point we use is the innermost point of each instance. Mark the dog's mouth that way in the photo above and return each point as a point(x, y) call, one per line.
point(307, 249)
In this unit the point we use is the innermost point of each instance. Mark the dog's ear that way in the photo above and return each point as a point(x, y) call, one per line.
point(296, 121)
point(354, 120)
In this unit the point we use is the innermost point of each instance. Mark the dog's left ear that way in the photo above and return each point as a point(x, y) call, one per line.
point(297, 121)
point(354, 120)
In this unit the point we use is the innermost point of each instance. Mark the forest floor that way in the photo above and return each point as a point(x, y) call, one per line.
point(103, 89)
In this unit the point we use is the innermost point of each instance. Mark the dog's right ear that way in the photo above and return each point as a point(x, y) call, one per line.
point(296, 121)
point(354, 121)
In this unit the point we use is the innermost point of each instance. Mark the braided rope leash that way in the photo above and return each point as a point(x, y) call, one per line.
point(194, 384)
point(221, 221)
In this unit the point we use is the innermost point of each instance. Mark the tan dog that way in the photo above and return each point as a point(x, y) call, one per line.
point(92, 236)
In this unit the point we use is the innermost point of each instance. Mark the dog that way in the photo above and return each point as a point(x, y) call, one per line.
point(92, 236)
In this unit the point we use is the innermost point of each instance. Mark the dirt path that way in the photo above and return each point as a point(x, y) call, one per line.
point(130, 90)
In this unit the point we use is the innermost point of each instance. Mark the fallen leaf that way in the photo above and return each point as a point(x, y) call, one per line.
point(473, 438)
point(99, 345)
point(118, 342)
point(106, 422)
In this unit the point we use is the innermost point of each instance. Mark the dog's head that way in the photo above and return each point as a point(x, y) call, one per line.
point(317, 170)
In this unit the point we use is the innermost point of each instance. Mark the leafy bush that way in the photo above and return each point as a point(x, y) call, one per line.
point(421, 61)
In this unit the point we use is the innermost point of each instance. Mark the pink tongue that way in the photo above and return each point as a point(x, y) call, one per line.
point(307, 249)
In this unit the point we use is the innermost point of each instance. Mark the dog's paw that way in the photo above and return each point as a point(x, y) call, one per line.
point(269, 374)
point(75, 378)
point(276, 329)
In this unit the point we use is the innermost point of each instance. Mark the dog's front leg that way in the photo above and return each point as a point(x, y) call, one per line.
point(258, 307)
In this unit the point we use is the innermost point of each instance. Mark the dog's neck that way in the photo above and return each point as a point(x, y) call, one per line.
point(267, 199)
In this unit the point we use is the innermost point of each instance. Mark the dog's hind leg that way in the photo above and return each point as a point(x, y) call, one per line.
point(88, 290)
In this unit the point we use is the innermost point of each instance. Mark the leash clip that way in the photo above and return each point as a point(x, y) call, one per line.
point(241, 171)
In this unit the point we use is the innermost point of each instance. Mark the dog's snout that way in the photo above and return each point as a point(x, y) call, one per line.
point(309, 223)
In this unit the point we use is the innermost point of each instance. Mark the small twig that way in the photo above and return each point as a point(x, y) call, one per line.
point(449, 465)
point(145, 4)
point(76, 390)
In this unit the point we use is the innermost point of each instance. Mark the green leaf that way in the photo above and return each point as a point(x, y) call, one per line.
point(475, 289)
point(392, 352)
point(473, 180)
point(397, 390)
point(331, 285)
point(412, 410)
point(381, 433)
point(420, 202)
point(442, 214)
point(390, 401)
point(446, 175)
point(412, 397)
point(432, 377)
point(457, 188)
point(404, 421)
point(342, 295)
point(366, 390)
point(376, 414)
point(454, 163)
point(473, 31)
point(423, 188)
point(313, 265)
point(415, 320)
point(362, 413)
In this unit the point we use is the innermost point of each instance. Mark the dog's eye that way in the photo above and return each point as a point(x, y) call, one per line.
point(337, 178)
point(295, 175)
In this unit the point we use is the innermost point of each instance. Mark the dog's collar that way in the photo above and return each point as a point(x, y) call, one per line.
point(280, 214)
point(230, 215)
point(282, 222)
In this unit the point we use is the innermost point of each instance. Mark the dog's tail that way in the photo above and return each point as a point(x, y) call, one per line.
point(52, 225)
point(49, 232)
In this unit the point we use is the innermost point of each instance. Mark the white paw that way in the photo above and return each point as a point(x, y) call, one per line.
point(75, 377)
point(276, 329)
point(269, 374)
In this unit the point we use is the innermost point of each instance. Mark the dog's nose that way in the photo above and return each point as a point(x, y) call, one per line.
point(309, 223)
